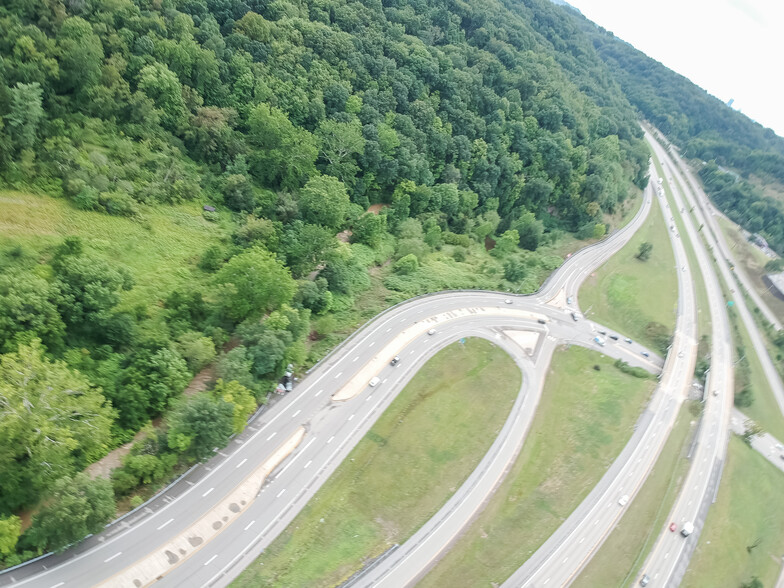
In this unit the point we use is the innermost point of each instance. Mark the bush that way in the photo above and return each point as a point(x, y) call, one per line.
point(637, 372)
point(406, 265)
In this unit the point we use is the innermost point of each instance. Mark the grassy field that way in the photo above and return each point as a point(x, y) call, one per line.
point(753, 261)
point(584, 419)
point(626, 294)
point(160, 249)
point(619, 559)
point(703, 310)
point(746, 513)
point(413, 459)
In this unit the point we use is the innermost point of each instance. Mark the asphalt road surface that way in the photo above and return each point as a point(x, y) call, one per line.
point(121, 554)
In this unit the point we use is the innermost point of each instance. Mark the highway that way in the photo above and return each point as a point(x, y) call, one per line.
point(560, 559)
point(207, 528)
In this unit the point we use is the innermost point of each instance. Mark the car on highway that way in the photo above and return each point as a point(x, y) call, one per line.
point(614, 337)
point(623, 500)
point(645, 354)
point(680, 354)
point(715, 392)
point(629, 341)
point(645, 580)
point(507, 301)
point(602, 332)
point(569, 300)
point(431, 332)
point(541, 321)
point(574, 317)
point(673, 527)
point(374, 382)
point(395, 360)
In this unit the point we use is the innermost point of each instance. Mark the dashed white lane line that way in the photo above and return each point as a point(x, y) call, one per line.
point(330, 439)
point(58, 585)
point(307, 464)
point(271, 436)
point(208, 491)
point(249, 525)
point(240, 464)
point(108, 559)
point(389, 329)
point(280, 493)
point(295, 458)
point(338, 375)
point(355, 359)
point(372, 343)
point(209, 561)
point(319, 392)
point(164, 524)
point(368, 398)
point(351, 417)
point(296, 413)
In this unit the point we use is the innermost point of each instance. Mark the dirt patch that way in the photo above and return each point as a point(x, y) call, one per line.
point(344, 236)
point(376, 208)
point(200, 382)
point(104, 466)
point(489, 243)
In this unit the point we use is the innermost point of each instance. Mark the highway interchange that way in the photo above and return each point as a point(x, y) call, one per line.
point(311, 434)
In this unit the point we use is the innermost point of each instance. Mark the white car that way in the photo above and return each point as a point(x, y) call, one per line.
point(374, 382)
point(507, 301)
point(431, 332)
point(623, 500)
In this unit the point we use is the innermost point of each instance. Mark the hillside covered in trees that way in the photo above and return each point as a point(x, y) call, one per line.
point(704, 128)
point(285, 120)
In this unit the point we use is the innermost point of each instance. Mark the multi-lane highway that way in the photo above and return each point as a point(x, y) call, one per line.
point(206, 532)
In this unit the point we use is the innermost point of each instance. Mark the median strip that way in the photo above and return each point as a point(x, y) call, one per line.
point(170, 555)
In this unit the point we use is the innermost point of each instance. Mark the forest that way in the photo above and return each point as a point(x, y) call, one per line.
point(283, 122)
point(705, 129)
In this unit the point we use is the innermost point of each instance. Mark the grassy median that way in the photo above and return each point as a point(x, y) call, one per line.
point(413, 459)
point(584, 419)
point(744, 533)
point(620, 557)
point(627, 294)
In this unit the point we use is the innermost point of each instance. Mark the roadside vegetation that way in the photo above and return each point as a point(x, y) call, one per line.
point(585, 417)
point(637, 297)
point(743, 535)
point(412, 460)
point(618, 561)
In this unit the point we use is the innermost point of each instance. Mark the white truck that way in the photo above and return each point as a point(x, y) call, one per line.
point(688, 529)
point(599, 340)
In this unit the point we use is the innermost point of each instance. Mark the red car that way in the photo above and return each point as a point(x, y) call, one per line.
point(673, 527)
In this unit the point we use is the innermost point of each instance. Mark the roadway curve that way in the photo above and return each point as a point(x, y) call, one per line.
point(560, 559)
point(121, 554)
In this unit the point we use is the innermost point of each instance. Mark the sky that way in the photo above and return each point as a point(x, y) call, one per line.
point(731, 48)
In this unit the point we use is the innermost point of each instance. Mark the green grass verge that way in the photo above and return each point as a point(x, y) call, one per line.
point(619, 559)
point(703, 310)
point(160, 248)
point(584, 419)
point(753, 262)
point(746, 513)
point(413, 459)
point(627, 294)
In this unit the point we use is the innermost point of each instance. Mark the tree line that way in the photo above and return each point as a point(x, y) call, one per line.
point(469, 123)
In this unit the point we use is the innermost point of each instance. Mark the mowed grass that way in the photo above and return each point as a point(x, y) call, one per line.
point(626, 294)
point(753, 261)
point(584, 419)
point(703, 309)
point(747, 513)
point(413, 459)
point(160, 249)
point(619, 558)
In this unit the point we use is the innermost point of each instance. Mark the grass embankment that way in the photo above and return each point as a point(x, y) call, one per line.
point(753, 262)
point(744, 532)
point(160, 248)
point(413, 459)
point(627, 294)
point(703, 310)
point(619, 559)
point(584, 419)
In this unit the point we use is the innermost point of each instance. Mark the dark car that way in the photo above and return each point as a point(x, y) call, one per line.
point(614, 337)
point(395, 360)
point(541, 321)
